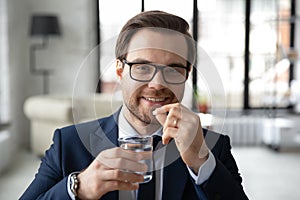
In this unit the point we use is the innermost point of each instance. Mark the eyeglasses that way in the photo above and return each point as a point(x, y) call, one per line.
point(145, 72)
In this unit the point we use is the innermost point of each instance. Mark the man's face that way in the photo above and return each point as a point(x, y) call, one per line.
point(141, 98)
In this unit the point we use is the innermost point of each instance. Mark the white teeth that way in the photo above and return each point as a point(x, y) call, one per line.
point(155, 100)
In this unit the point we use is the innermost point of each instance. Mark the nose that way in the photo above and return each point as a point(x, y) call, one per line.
point(158, 81)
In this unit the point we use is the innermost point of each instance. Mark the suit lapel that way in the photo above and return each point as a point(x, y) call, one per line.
point(175, 174)
point(105, 137)
point(101, 141)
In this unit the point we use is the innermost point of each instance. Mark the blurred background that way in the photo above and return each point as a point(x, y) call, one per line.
point(56, 69)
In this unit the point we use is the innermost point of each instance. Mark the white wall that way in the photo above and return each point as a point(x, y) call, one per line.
point(64, 54)
point(21, 84)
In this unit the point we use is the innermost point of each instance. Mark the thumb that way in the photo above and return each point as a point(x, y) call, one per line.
point(160, 115)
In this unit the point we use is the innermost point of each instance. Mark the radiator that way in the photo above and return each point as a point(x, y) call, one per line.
point(243, 131)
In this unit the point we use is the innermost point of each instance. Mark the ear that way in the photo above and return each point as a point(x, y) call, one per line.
point(191, 66)
point(190, 70)
point(119, 69)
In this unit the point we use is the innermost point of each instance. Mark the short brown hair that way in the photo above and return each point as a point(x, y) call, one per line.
point(157, 19)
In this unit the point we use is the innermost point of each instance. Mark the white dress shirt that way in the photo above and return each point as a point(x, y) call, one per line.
point(125, 130)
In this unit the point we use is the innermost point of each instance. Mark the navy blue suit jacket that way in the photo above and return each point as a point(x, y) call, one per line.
point(75, 147)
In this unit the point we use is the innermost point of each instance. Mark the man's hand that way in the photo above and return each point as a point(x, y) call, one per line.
point(184, 127)
point(112, 170)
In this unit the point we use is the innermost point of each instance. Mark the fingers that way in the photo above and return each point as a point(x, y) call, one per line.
point(98, 182)
point(169, 109)
point(118, 158)
point(113, 169)
point(120, 185)
point(124, 164)
point(169, 116)
point(118, 175)
point(177, 121)
point(115, 179)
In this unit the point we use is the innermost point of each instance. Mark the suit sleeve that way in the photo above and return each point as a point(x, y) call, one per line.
point(49, 182)
point(225, 182)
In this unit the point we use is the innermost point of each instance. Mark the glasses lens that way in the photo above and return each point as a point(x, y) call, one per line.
point(145, 72)
point(142, 72)
point(174, 74)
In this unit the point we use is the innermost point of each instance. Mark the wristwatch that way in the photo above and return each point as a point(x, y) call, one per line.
point(74, 183)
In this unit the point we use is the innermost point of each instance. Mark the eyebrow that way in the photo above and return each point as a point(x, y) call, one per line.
point(139, 60)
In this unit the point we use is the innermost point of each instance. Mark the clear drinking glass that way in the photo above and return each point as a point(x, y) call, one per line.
point(140, 144)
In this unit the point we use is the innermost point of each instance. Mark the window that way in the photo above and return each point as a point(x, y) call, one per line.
point(113, 15)
point(172, 6)
point(269, 49)
point(222, 34)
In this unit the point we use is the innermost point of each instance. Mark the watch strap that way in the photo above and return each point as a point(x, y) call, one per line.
point(74, 183)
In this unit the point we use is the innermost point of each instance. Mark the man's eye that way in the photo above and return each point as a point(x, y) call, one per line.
point(171, 70)
point(143, 68)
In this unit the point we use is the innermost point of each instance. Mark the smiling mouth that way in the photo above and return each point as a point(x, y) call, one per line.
point(155, 99)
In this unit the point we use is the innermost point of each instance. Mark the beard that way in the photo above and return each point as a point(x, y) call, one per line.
point(145, 117)
point(143, 113)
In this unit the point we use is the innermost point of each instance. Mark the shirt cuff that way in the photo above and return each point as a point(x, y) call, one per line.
point(205, 170)
point(71, 195)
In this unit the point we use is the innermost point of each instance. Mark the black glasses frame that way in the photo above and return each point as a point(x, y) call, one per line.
point(157, 67)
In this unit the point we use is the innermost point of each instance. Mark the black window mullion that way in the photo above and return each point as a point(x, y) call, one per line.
point(247, 54)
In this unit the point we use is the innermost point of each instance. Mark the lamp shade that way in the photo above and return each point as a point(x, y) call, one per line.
point(44, 25)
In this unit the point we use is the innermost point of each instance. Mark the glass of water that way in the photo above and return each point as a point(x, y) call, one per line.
point(140, 144)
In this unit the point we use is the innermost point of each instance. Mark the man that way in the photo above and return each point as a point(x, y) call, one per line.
point(154, 56)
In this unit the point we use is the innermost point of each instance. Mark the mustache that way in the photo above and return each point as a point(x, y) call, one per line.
point(157, 93)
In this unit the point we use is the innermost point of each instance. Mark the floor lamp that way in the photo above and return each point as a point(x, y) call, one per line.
point(42, 26)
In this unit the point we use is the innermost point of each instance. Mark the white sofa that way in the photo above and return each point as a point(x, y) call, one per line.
point(5, 150)
point(49, 112)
